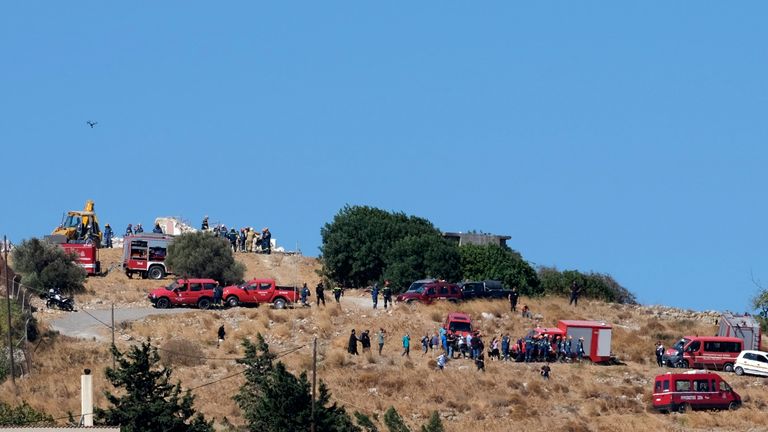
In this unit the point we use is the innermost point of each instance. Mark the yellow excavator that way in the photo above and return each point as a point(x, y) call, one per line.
point(80, 226)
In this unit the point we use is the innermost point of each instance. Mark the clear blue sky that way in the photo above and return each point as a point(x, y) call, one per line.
point(622, 138)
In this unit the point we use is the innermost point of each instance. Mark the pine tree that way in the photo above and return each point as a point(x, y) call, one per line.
point(150, 402)
point(274, 400)
point(394, 422)
point(434, 424)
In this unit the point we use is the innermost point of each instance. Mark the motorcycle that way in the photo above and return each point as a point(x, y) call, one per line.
point(55, 299)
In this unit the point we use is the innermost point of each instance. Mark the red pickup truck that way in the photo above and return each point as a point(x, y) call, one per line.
point(184, 292)
point(257, 291)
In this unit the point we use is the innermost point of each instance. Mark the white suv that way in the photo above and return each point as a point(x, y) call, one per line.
point(751, 362)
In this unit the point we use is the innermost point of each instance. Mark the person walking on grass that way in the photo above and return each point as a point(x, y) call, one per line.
point(659, 353)
point(387, 294)
point(406, 346)
point(220, 336)
point(425, 344)
point(575, 292)
point(545, 370)
point(441, 361)
point(382, 335)
point(320, 292)
point(375, 294)
point(513, 296)
point(337, 294)
point(352, 345)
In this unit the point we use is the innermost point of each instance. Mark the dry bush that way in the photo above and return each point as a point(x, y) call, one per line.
point(576, 426)
point(436, 316)
point(337, 359)
point(181, 352)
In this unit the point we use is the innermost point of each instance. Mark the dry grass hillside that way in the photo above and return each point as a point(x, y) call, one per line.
point(507, 396)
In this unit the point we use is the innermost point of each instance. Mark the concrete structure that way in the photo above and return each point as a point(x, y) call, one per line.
point(476, 238)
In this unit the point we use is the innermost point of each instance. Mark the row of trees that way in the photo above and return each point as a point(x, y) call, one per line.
point(364, 244)
point(272, 399)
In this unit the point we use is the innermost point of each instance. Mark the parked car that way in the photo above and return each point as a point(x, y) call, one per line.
point(485, 289)
point(459, 323)
point(258, 291)
point(430, 292)
point(693, 390)
point(708, 352)
point(751, 362)
point(184, 292)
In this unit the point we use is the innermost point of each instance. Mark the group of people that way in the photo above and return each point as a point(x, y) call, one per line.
point(386, 294)
point(365, 341)
point(245, 240)
point(320, 293)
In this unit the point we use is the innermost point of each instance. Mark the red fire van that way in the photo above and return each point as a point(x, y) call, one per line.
point(696, 389)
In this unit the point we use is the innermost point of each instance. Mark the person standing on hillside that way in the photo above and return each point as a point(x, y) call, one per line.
point(108, 236)
point(204, 225)
point(382, 335)
point(659, 354)
point(365, 341)
point(575, 292)
point(157, 229)
point(320, 293)
point(220, 334)
point(580, 349)
point(129, 230)
point(513, 296)
point(304, 295)
point(217, 293)
point(406, 346)
point(249, 239)
point(387, 294)
point(138, 229)
point(352, 346)
point(375, 294)
point(337, 294)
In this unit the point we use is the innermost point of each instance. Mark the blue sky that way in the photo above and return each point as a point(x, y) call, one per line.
point(622, 138)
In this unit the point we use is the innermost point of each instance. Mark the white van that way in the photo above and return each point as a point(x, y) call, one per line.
point(752, 363)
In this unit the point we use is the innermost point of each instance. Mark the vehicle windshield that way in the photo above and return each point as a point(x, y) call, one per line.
point(460, 326)
point(416, 287)
point(172, 286)
point(72, 221)
point(679, 345)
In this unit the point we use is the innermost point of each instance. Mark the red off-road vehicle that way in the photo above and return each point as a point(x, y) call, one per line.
point(430, 292)
point(184, 292)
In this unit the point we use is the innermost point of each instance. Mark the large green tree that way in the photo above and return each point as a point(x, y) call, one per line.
point(147, 400)
point(274, 400)
point(44, 265)
point(362, 242)
point(593, 285)
point(501, 263)
point(416, 257)
point(202, 255)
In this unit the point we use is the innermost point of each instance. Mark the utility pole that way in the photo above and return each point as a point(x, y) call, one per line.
point(314, 382)
point(8, 297)
point(113, 336)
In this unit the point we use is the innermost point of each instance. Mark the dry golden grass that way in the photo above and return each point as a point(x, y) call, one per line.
point(578, 397)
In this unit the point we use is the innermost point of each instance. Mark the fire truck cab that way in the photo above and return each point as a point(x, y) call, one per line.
point(145, 253)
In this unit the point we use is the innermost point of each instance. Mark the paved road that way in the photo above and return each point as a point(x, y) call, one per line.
point(80, 324)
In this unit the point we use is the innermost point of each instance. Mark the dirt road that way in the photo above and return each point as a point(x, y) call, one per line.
point(86, 325)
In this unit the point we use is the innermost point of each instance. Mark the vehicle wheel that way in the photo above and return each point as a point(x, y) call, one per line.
point(156, 273)
point(204, 303)
point(733, 405)
point(48, 304)
point(739, 370)
point(728, 367)
point(68, 306)
point(233, 301)
point(163, 303)
point(683, 408)
point(279, 303)
point(683, 364)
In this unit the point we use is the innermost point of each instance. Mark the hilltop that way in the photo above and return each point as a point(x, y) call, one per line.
point(579, 397)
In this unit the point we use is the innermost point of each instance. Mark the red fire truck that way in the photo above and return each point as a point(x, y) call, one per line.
point(87, 256)
point(145, 253)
